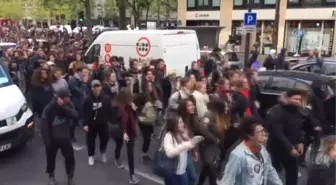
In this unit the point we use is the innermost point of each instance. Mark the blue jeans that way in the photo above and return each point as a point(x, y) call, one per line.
point(190, 171)
point(179, 179)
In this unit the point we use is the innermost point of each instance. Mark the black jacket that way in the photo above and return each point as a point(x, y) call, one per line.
point(286, 125)
point(269, 62)
point(56, 120)
point(97, 110)
point(322, 175)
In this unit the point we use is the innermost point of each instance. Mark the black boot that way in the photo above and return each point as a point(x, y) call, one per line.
point(52, 180)
point(70, 181)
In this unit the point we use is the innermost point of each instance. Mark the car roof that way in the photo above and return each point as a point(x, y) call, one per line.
point(306, 76)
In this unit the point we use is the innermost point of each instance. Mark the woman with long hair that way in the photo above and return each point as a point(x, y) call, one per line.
point(127, 115)
point(41, 91)
point(322, 168)
point(57, 81)
point(177, 144)
point(216, 121)
point(149, 104)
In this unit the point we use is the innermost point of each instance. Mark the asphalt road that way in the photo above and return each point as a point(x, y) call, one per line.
point(27, 167)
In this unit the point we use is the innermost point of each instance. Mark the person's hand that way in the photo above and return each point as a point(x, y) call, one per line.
point(189, 144)
point(294, 153)
point(134, 107)
point(86, 128)
point(309, 107)
point(300, 148)
point(195, 156)
point(60, 101)
point(126, 138)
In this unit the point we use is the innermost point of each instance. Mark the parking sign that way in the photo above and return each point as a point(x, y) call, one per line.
point(250, 19)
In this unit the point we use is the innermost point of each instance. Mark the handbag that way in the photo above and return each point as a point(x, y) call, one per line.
point(164, 166)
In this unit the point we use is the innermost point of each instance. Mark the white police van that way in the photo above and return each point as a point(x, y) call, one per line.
point(16, 118)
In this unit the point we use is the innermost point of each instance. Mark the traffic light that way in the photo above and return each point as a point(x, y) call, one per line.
point(81, 17)
point(57, 17)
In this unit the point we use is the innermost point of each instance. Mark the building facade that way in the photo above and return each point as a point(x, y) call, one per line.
point(316, 18)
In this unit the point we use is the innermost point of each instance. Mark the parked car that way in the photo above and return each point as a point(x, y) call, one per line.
point(328, 68)
point(274, 83)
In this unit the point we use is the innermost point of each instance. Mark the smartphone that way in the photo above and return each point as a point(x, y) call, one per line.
point(197, 139)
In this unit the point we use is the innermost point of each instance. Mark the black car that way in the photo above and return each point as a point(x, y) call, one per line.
point(328, 68)
point(274, 83)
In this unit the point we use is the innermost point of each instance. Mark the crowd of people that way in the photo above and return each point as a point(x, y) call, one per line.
point(212, 118)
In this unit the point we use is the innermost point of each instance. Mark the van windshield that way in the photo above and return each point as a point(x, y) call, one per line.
point(4, 77)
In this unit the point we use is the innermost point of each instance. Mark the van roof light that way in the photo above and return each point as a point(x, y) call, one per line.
point(180, 32)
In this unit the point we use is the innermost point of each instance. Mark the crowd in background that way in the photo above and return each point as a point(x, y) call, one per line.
point(212, 118)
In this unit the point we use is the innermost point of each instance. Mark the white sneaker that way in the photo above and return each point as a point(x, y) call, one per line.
point(103, 158)
point(91, 161)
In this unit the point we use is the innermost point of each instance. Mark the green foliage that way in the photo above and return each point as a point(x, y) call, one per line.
point(110, 8)
point(11, 10)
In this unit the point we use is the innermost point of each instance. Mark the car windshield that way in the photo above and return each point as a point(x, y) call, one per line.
point(4, 78)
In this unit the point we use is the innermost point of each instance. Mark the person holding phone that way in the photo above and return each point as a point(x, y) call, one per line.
point(177, 143)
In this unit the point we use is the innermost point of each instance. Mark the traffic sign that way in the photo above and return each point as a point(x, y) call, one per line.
point(250, 19)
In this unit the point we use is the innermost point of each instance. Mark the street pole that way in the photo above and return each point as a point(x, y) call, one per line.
point(247, 40)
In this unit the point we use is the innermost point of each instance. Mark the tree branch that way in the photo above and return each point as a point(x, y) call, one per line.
point(170, 7)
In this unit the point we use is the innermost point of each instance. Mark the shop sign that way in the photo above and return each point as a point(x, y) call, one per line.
point(298, 33)
point(203, 15)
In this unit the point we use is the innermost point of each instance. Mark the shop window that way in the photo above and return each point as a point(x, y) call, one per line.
point(191, 3)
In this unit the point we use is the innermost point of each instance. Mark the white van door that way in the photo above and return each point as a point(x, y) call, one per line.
point(180, 50)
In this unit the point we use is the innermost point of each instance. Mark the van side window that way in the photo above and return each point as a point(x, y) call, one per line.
point(94, 51)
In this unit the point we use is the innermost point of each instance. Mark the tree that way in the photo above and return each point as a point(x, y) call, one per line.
point(86, 3)
point(122, 14)
point(110, 9)
point(11, 10)
point(137, 7)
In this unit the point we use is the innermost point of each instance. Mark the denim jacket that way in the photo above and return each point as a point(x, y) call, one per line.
point(244, 168)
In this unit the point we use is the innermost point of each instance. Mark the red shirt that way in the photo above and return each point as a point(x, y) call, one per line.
point(246, 93)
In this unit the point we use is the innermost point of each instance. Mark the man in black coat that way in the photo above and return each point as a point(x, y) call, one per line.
point(285, 122)
point(55, 130)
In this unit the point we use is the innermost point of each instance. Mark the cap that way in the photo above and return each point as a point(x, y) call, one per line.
point(95, 83)
point(63, 93)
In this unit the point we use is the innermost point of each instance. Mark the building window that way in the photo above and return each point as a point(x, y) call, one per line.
point(237, 2)
point(191, 3)
point(203, 2)
point(216, 3)
point(269, 2)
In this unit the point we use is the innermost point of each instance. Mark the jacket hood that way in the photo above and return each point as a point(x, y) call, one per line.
point(283, 99)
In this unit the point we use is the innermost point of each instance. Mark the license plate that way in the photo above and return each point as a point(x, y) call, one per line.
point(5, 147)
